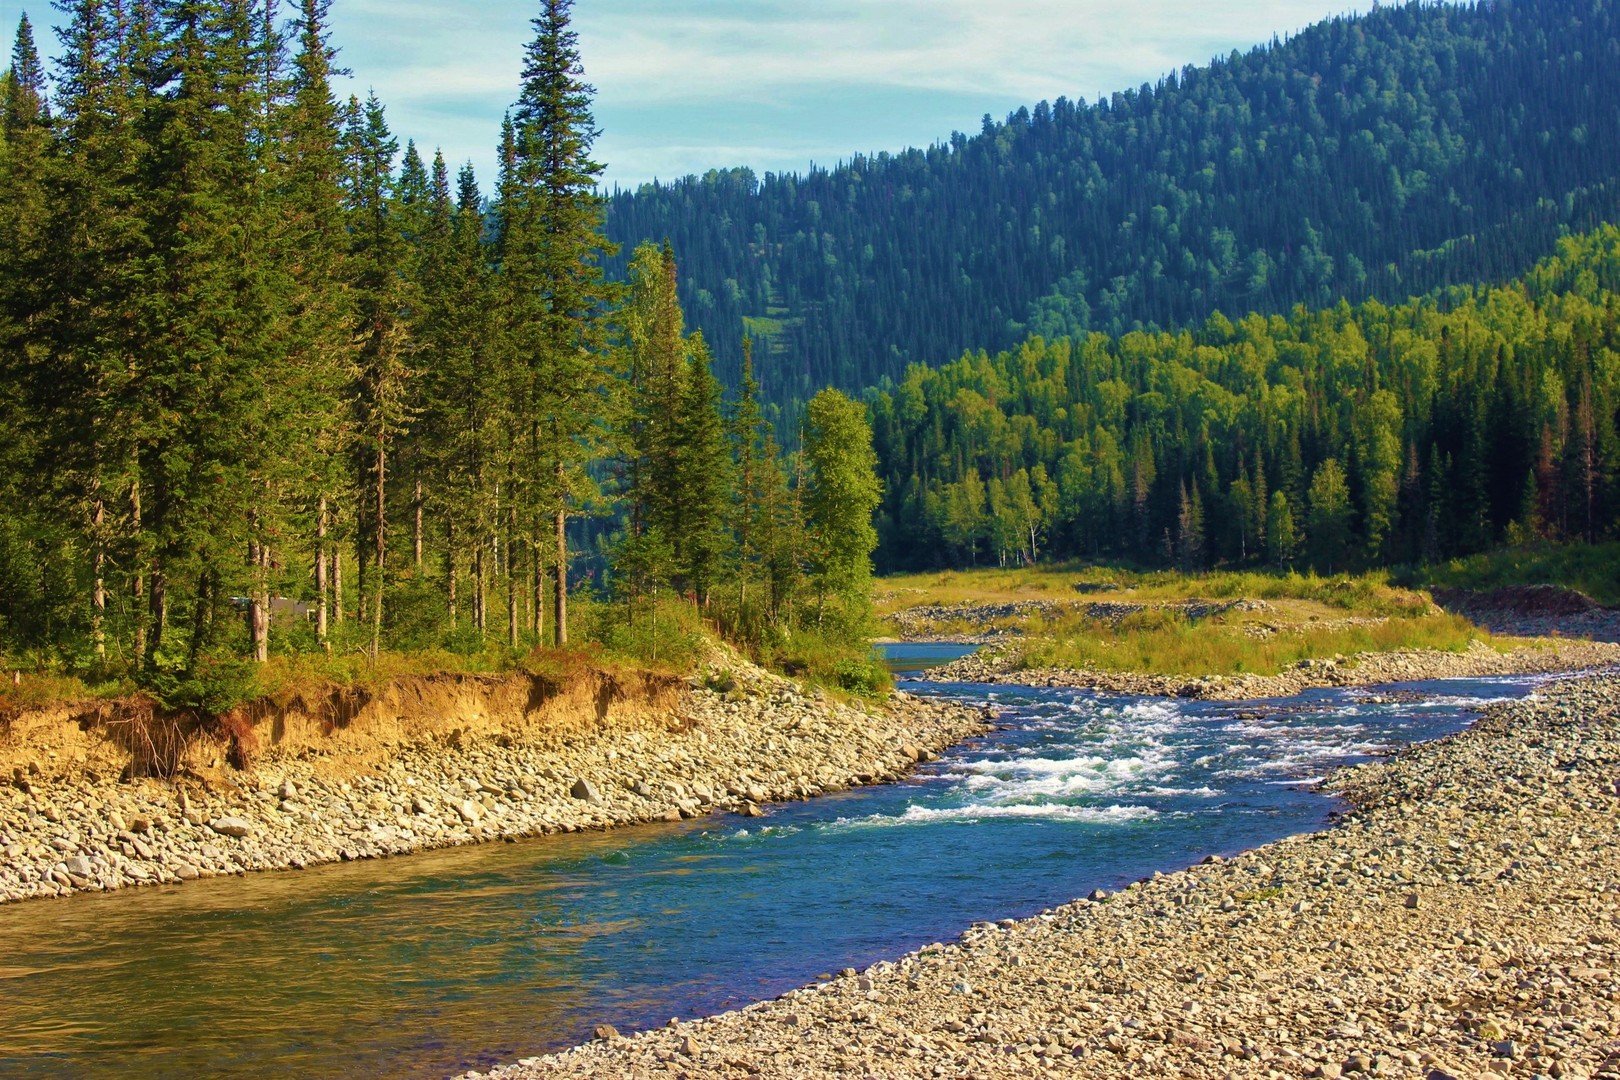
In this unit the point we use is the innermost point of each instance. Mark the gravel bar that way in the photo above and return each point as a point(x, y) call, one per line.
point(1460, 921)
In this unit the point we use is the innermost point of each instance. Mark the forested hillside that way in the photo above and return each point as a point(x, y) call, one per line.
point(1378, 156)
point(1338, 438)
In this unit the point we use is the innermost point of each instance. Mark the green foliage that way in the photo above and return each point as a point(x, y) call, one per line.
point(1350, 436)
point(212, 686)
point(842, 492)
point(1593, 569)
point(1377, 155)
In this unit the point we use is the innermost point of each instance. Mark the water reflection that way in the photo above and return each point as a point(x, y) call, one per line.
point(426, 965)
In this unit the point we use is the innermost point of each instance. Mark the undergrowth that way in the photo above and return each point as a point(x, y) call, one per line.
point(1593, 569)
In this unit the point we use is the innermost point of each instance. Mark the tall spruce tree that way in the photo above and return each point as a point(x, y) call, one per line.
point(551, 246)
point(318, 328)
point(376, 264)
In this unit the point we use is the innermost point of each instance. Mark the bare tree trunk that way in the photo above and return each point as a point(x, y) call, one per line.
point(258, 616)
point(158, 606)
point(381, 550)
point(537, 588)
point(511, 572)
point(417, 539)
point(450, 570)
point(337, 584)
point(138, 585)
point(322, 585)
point(559, 607)
point(98, 614)
point(479, 595)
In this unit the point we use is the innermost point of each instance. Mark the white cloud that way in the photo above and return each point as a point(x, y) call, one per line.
point(684, 85)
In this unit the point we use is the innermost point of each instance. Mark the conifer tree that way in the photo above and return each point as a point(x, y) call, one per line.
point(702, 477)
point(207, 313)
point(550, 250)
point(377, 264)
point(318, 331)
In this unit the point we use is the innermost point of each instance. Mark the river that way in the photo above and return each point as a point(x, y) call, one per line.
point(429, 964)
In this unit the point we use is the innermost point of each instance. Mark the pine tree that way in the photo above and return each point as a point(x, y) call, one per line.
point(318, 331)
point(550, 251)
point(702, 477)
point(206, 318)
point(377, 264)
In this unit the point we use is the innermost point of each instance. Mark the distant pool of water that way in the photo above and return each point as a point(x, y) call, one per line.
point(911, 657)
point(425, 965)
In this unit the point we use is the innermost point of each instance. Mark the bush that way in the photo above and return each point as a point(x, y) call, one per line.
point(214, 686)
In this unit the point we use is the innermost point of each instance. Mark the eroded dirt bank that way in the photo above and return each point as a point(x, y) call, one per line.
point(1461, 922)
point(424, 763)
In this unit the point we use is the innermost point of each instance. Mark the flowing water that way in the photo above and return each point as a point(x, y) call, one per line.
point(425, 965)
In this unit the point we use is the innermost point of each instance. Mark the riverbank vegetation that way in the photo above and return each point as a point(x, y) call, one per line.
point(1112, 619)
point(1592, 569)
point(278, 395)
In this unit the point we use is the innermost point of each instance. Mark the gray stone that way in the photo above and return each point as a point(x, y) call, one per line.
point(231, 826)
point(585, 791)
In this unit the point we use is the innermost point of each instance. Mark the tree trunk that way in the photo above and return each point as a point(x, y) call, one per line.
point(138, 584)
point(479, 595)
point(559, 606)
point(337, 584)
point(537, 588)
point(450, 571)
point(159, 614)
point(511, 569)
point(98, 614)
point(417, 538)
point(381, 550)
point(258, 604)
point(322, 585)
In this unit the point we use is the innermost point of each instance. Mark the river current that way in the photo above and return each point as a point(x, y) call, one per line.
point(430, 964)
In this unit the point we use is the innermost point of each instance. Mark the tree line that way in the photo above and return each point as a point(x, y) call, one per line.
point(270, 382)
point(1380, 155)
point(1337, 438)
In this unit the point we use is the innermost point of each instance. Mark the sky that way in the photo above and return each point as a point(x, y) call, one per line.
point(683, 86)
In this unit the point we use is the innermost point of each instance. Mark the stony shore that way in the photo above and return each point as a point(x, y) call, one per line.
point(1365, 669)
point(1461, 921)
point(761, 739)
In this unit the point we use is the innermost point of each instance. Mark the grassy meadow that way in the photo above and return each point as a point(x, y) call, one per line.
point(1088, 617)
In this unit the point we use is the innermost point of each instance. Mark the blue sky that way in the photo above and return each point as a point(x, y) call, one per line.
point(686, 85)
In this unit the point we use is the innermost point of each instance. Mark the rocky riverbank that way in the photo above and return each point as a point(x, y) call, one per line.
point(489, 759)
point(1363, 669)
point(1462, 921)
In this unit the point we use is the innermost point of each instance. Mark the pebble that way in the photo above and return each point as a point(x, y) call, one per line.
point(1303, 958)
point(766, 741)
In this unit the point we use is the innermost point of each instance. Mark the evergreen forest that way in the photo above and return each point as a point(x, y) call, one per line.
point(273, 383)
point(1339, 438)
point(1377, 156)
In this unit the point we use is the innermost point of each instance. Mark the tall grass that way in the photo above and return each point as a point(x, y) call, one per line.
point(1162, 642)
point(1361, 594)
point(1594, 569)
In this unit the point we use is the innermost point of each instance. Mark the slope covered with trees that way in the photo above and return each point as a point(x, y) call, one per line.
point(271, 384)
point(1338, 438)
point(1383, 155)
